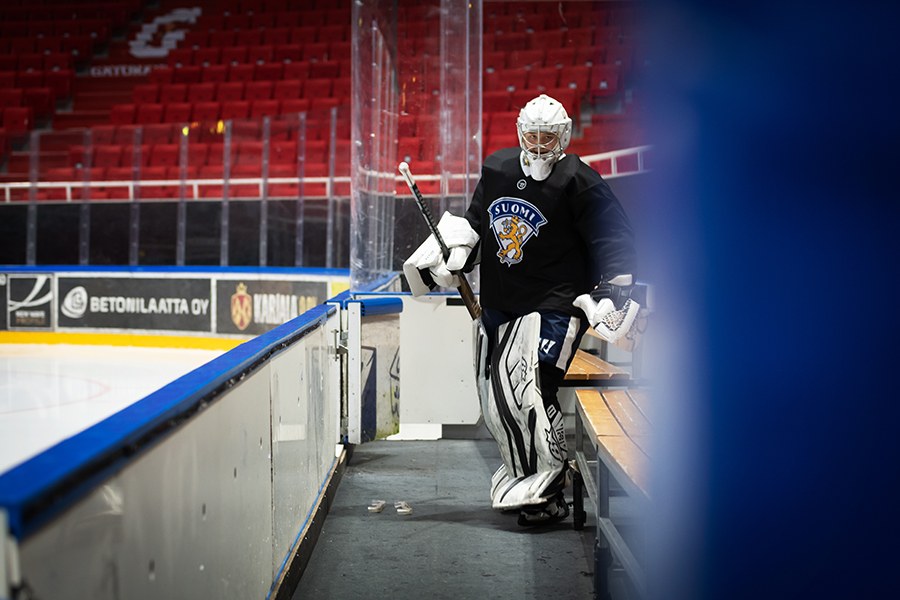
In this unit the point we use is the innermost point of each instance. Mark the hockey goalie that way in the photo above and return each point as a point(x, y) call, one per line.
point(557, 255)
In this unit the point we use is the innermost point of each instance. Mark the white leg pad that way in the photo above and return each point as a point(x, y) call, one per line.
point(532, 442)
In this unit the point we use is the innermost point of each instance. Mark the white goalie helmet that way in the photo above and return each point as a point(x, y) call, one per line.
point(545, 131)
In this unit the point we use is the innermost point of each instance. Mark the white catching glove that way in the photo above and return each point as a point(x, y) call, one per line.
point(425, 269)
point(609, 308)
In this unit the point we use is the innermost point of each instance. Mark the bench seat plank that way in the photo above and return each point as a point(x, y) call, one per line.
point(629, 417)
point(586, 368)
point(623, 456)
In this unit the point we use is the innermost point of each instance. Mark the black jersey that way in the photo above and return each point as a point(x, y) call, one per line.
point(543, 243)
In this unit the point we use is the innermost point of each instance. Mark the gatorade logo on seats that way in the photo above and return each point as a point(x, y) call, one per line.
point(156, 38)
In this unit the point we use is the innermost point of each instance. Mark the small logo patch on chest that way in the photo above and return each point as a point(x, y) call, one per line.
point(513, 221)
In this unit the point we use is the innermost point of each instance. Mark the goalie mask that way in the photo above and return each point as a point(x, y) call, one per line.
point(545, 130)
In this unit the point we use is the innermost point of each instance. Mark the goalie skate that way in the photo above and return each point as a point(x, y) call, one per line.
point(551, 512)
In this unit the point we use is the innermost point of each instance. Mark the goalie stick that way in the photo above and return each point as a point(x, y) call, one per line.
point(465, 290)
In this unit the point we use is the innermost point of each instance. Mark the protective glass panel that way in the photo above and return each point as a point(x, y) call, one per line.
point(416, 98)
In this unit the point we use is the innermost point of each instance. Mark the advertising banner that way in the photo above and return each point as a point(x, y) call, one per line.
point(256, 306)
point(28, 301)
point(133, 303)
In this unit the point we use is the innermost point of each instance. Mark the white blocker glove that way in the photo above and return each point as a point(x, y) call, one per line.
point(609, 308)
point(425, 269)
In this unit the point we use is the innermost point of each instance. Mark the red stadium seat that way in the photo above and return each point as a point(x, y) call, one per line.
point(189, 74)
point(222, 39)
point(580, 37)
point(177, 112)
point(241, 72)
point(560, 57)
point(107, 156)
point(206, 56)
point(296, 70)
point(288, 52)
point(325, 69)
point(409, 149)
point(287, 89)
point(260, 108)
point(234, 55)
point(544, 78)
point(604, 80)
point(260, 54)
point(238, 109)
point(315, 51)
point(276, 36)
point(103, 134)
point(180, 57)
point(163, 155)
point(30, 62)
point(294, 105)
point(161, 75)
point(495, 101)
point(148, 92)
point(283, 152)
point(270, 71)
point(340, 88)
point(11, 97)
point(201, 92)
point(575, 77)
point(57, 60)
point(325, 103)
point(205, 112)
point(249, 38)
point(230, 91)
point(197, 154)
point(317, 88)
point(157, 133)
point(18, 120)
point(172, 92)
point(258, 90)
point(214, 74)
point(125, 135)
point(527, 59)
point(122, 114)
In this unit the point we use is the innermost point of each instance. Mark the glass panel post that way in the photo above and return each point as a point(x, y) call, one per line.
point(332, 238)
point(264, 196)
point(31, 217)
point(134, 217)
point(299, 224)
point(84, 216)
point(181, 218)
point(226, 172)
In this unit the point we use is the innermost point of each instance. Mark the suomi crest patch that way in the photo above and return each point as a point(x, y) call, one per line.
point(513, 221)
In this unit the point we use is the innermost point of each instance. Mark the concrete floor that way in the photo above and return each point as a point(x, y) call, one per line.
point(453, 545)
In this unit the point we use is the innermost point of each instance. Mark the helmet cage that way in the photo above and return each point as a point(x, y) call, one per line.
point(539, 151)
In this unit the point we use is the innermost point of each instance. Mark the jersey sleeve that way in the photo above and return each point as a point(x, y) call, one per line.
point(607, 232)
point(475, 212)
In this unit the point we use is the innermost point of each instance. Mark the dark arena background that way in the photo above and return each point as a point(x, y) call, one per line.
point(214, 382)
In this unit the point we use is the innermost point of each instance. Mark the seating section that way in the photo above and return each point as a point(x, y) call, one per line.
point(246, 60)
point(582, 53)
point(42, 44)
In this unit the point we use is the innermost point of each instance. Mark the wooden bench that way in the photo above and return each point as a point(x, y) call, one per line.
point(588, 369)
point(612, 431)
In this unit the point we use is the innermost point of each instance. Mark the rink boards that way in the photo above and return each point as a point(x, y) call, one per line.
point(202, 488)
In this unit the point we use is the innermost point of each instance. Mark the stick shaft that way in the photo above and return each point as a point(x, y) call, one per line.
point(465, 290)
